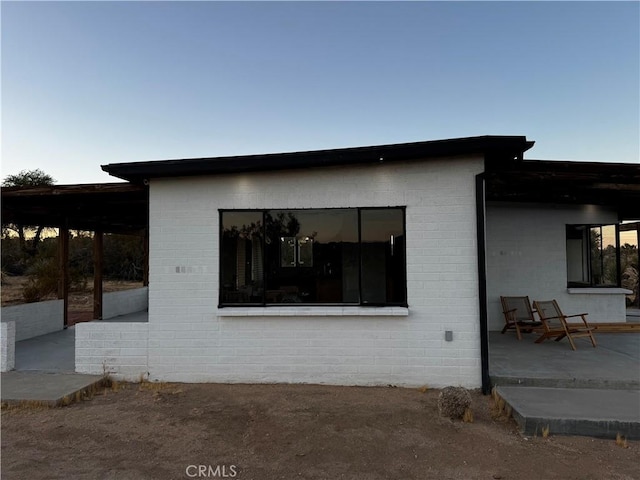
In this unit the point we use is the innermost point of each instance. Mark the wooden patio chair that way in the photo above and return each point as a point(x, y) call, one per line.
point(555, 324)
point(518, 315)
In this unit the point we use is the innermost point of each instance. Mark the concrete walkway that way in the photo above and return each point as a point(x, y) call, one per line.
point(45, 368)
point(614, 363)
point(590, 391)
point(52, 353)
point(47, 389)
point(55, 352)
point(44, 373)
point(575, 411)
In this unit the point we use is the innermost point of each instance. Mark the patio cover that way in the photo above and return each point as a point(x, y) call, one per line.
point(106, 207)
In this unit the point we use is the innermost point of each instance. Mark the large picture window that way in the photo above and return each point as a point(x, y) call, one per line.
point(315, 256)
point(592, 256)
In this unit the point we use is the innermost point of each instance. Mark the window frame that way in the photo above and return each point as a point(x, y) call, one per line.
point(264, 302)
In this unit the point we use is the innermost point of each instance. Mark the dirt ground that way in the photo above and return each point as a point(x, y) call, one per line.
point(265, 432)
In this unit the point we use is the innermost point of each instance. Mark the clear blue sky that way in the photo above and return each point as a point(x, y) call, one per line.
point(89, 83)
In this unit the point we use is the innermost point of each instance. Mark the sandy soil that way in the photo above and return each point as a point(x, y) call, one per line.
point(264, 432)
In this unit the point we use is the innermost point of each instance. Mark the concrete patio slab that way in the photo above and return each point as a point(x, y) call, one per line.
point(53, 353)
point(50, 389)
point(613, 364)
point(575, 411)
point(590, 391)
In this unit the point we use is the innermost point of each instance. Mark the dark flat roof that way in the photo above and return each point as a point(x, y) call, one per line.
point(123, 207)
point(496, 148)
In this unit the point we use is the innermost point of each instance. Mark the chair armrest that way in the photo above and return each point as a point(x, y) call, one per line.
point(582, 316)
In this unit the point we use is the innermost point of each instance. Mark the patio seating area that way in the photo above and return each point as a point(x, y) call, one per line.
point(614, 364)
point(588, 391)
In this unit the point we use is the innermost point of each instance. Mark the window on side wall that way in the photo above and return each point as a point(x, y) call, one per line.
point(341, 256)
point(592, 256)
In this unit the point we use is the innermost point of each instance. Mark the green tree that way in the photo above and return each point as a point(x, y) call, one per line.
point(27, 178)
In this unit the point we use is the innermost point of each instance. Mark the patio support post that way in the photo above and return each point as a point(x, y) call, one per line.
point(63, 268)
point(98, 255)
point(482, 282)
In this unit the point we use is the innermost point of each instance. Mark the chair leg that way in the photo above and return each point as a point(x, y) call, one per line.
point(593, 340)
point(518, 331)
point(506, 327)
point(541, 338)
point(573, 345)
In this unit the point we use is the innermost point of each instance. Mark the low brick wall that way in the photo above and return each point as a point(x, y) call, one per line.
point(35, 319)
point(115, 304)
point(119, 349)
point(7, 346)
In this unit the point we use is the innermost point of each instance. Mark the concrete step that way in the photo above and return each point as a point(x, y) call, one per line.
point(46, 389)
point(574, 411)
point(561, 379)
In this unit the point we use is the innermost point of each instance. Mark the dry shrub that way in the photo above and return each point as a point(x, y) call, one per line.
point(453, 402)
point(621, 441)
point(499, 408)
point(468, 416)
point(43, 280)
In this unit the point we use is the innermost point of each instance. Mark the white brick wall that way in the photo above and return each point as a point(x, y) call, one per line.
point(188, 341)
point(123, 302)
point(527, 255)
point(117, 348)
point(35, 319)
point(7, 346)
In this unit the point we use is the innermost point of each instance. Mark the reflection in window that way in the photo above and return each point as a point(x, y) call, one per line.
point(287, 252)
point(382, 250)
point(315, 256)
point(242, 258)
point(592, 255)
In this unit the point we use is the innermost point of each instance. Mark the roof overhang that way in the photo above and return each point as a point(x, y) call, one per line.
point(123, 207)
point(497, 148)
point(616, 185)
point(107, 207)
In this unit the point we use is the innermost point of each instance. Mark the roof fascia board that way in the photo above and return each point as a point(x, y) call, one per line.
point(504, 148)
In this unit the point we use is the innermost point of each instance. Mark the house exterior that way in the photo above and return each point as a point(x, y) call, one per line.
point(365, 266)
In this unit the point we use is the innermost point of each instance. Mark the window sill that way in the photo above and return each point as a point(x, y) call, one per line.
point(599, 291)
point(313, 312)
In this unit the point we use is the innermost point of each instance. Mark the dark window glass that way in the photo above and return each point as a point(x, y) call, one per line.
point(382, 243)
point(592, 252)
point(315, 256)
point(242, 258)
point(312, 256)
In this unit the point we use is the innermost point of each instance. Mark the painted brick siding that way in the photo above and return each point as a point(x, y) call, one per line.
point(115, 304)
point(7, 346)
point(189, 341)
point(117, 348)
point(527, 255)
point(35, 319)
